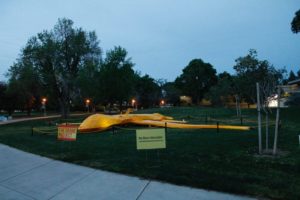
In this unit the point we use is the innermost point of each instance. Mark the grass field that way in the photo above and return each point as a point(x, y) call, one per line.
point(224, 161)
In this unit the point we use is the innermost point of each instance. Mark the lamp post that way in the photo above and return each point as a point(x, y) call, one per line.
point(134, 104)
point(162, 103)
point(44, 100)
point(87, 104)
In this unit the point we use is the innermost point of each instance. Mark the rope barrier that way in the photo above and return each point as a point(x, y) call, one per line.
point(131, 129)
point(264, 125)
point(224, 120)
point(50, 130)
point(232, 120)
point(122, 128)
point(45, 130)
point(67, 123)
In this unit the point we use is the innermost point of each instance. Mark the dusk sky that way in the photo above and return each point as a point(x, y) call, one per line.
point(162, 36)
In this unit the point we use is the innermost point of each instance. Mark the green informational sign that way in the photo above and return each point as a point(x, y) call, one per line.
point(150, 139)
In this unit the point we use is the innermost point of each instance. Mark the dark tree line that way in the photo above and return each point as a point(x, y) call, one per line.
point(66, 65)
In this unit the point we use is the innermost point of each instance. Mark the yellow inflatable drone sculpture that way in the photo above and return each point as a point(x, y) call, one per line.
point(101, 122)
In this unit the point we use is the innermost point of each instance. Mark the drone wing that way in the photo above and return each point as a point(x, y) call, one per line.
point(175, 124)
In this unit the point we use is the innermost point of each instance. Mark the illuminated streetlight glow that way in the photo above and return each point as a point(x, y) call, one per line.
point(44, 100)
point(134, 103)
point(162, 102)
point(87, 104)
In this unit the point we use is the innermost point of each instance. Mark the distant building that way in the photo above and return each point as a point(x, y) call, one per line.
point(272, 101)
point(294, 94)
point(295, 84)
point(205, 102)
point(293, 87)
point(185, 100)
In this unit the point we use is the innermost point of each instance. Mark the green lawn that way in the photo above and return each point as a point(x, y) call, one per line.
point(223, 161)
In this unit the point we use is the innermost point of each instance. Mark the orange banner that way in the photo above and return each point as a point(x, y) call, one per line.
point(67, 132)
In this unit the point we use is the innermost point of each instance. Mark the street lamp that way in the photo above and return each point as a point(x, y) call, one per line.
point(162, 102)
point(44, 100)
point(134, 104)
point(87, 104)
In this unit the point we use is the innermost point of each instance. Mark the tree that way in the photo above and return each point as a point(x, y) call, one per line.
point(292, 76)
point(171, 93)
point(25, 81)
point(196, 79)
point(148, 92)
point(222, 92)
point(250, 70)
point(116, 77)
point(3, 87)
point(58, 55)
point(295, 24)
point(88, 83)
point(9, 100)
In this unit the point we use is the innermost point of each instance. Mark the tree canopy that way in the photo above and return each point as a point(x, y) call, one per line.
point(25, 83)
point(249, 70)
point(65, 65)
point(295, 24)
point(58, 55)
point(221, 93)
point(116, 76)
point(196, 79)
point(292, 76)
point(148, 92)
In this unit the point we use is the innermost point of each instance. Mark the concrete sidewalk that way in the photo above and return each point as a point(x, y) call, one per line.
point(11, 121)
point(25, 176)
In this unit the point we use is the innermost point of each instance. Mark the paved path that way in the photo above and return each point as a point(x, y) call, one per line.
point(36, 118)
point(25, 176)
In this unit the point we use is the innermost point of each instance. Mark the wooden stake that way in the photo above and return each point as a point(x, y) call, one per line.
point(259, 119)
point(277, 123)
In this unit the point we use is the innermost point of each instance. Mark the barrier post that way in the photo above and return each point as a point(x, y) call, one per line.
point(166, 128)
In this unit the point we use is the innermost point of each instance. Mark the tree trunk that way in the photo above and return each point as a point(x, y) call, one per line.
point(277, 123)
point(239, 106)
point(64, 108)
point(236, 105)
